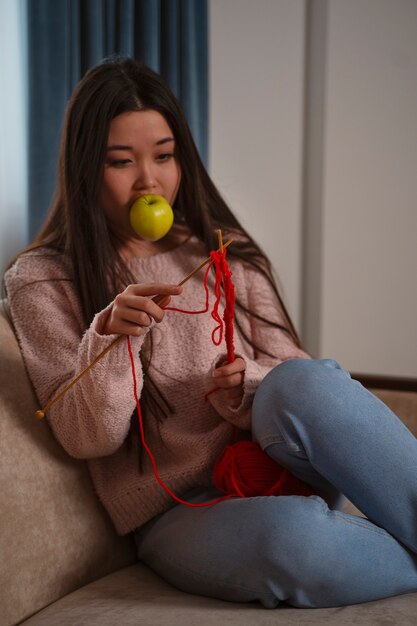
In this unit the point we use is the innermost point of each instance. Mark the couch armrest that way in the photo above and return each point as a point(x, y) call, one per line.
point(55, 536)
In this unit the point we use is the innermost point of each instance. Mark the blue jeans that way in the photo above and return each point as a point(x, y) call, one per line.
point(329, 431)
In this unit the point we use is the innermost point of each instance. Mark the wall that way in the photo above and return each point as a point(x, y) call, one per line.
point(256, 111)
point(369, 270)
point(314, 143)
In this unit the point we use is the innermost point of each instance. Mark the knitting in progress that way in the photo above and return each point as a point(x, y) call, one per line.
point(243, 469)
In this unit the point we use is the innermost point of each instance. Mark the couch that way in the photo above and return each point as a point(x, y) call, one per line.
point(61, 562)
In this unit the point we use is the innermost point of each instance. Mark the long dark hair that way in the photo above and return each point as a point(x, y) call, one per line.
point(78, 229)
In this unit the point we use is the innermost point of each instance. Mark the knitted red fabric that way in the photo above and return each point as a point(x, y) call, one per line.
point(224, 275)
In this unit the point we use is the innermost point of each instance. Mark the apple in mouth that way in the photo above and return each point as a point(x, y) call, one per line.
point(151, 217)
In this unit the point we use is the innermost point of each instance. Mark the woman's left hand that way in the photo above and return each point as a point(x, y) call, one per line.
point(229, 377)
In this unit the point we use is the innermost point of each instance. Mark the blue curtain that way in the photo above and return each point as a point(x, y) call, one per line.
point(67, 37)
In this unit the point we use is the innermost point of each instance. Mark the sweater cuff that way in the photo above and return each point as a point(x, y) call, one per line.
point(102, 341)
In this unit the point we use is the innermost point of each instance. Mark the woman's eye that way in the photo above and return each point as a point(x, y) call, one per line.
point(165, 157)
point(119, 162)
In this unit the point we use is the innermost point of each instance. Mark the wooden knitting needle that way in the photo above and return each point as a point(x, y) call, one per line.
point(40, 414)
point(158, 299)
point(219, 234)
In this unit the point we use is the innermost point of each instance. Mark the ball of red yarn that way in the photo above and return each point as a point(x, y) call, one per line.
point(244, 469)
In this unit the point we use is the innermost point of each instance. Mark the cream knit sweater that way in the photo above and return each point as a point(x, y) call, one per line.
point(93, 419)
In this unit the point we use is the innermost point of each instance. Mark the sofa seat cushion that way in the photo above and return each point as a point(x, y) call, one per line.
point(135, 595)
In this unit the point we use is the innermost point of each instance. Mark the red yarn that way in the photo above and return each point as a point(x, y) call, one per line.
point(206, 306)
point(245, 470)
point(223, 275)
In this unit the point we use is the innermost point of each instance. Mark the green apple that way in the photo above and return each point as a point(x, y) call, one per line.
point(151, 217)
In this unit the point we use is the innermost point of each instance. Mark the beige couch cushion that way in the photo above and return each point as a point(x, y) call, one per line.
point(135, 596)
point(55, 536)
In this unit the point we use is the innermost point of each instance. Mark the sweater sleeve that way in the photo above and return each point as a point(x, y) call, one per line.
point(258, 296)
point(93, 418)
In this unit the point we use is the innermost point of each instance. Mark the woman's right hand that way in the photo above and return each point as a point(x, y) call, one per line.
point(136, 307)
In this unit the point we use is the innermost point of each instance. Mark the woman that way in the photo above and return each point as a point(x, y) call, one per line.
point(88, 278)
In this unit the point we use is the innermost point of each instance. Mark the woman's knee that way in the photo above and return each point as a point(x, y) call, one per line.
point(297, 383)
point(297, 376)
point(296, 393)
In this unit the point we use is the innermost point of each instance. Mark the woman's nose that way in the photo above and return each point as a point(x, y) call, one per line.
point(145, 179)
